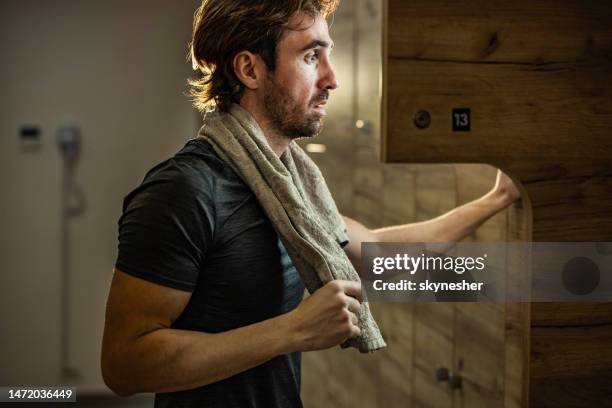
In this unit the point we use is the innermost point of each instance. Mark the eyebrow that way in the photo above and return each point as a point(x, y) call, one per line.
point(318, 43)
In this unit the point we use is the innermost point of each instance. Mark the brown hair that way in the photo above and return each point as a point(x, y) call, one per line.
point(223, 28)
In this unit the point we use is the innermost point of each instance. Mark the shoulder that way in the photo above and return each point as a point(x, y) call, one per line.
point(198, 158)
point(191, 174)
point(195, 164)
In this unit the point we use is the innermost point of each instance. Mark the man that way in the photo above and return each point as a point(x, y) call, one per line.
point(205, 307)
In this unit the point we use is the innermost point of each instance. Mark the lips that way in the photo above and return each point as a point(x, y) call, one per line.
point(320, 108)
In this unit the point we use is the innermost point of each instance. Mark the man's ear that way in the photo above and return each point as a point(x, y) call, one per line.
point(249, 69)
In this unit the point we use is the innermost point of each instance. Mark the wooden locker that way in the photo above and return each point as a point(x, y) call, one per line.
point(536, 77)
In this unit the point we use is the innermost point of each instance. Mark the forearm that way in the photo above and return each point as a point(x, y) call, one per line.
point(166, 360)
point(452, 226)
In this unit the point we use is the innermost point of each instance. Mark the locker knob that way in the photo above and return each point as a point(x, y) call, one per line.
point(581, 275)
point(422, 119)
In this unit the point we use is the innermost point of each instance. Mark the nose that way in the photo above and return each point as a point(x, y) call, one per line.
point(328, 79)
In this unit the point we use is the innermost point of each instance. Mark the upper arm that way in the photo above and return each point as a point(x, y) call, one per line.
point(136, 307)
point(164, 231)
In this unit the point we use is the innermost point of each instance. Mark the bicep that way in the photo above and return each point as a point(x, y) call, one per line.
point(136, 307)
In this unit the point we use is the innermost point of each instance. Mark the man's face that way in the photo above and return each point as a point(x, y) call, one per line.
point(294, 94)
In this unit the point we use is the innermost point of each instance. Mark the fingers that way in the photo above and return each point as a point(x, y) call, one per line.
point(354, 319)
point(353, 304)
point(355, 331)
point(351, 288)
point(350, 295)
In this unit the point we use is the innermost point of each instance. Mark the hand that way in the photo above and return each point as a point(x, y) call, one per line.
point(505, 188)
point(328, 317)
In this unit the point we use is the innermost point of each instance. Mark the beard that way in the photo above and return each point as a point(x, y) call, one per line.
point(286, 115)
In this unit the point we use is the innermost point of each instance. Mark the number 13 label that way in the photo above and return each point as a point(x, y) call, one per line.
point(461, 119)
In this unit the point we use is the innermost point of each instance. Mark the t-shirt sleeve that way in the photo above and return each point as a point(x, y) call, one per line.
point(341, 234)
point(164, 231)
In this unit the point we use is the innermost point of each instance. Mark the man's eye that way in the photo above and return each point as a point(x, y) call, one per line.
point(312, 57)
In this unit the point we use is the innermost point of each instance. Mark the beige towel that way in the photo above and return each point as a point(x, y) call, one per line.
point(294, 195)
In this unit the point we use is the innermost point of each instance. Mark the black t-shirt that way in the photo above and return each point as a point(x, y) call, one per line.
point(194, 225)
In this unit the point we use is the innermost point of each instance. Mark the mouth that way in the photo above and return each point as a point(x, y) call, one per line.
point(320, 107)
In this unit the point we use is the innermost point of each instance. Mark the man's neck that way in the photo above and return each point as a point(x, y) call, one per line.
point(277, 142)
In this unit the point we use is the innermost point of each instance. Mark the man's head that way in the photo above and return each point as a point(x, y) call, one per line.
point(271, 54)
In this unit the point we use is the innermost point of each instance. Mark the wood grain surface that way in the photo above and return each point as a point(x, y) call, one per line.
point(537, 77)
